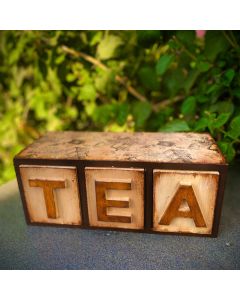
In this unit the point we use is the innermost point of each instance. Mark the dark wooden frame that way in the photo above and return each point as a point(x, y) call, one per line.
point(148, 188)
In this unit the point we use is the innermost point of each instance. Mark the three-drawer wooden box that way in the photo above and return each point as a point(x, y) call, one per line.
point(147, 182)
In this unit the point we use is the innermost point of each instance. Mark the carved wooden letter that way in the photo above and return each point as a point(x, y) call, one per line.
point(103, 203)
point(185, 193)
point(115, 197)
point(48, 186)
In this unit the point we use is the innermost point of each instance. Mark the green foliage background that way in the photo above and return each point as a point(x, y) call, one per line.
point(117, 81)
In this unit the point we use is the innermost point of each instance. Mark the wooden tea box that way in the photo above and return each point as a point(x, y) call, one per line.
point(147, 182)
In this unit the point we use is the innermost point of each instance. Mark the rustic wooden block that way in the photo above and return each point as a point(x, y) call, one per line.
point(151, 182)
point(115, 197)
point(51, 194)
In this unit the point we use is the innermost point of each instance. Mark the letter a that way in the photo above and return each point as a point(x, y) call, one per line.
point(184, 193)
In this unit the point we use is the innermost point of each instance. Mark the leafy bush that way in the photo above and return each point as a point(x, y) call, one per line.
point(117, 81)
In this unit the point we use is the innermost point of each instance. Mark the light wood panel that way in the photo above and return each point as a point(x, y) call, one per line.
point(184, 201)
point(115, 197)
point(140, 146)
point(52, 194)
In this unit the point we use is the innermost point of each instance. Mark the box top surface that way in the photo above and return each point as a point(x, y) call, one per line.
point(140, 146)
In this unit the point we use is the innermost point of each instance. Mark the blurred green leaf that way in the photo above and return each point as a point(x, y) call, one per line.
point(203, 66)
point(71, 112)
point(188, 107)
point(201, 124)
point(222, 107)
point(141, 111)
point(175, 125)
point(104, 113)
point(104, 80)
point(228, 77)
point(191, 79)
point(227, 149)
point(70, 77)
point(122, 113)
point(221, 120)
point(148, 78)
point(60, 59)
point(163, 63)
point(215, 42)
point(202, 99)
point(87, 92)
point(108, 46)
point(174, 81)
point(187, 37)
point(213, 88)
point(97, 37)
point(234, 131)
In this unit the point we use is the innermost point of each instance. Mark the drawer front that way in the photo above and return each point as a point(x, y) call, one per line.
point(115, 197)
point(184, 201)
point(51, 194)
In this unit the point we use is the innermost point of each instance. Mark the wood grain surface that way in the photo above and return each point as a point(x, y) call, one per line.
point(140, 146)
